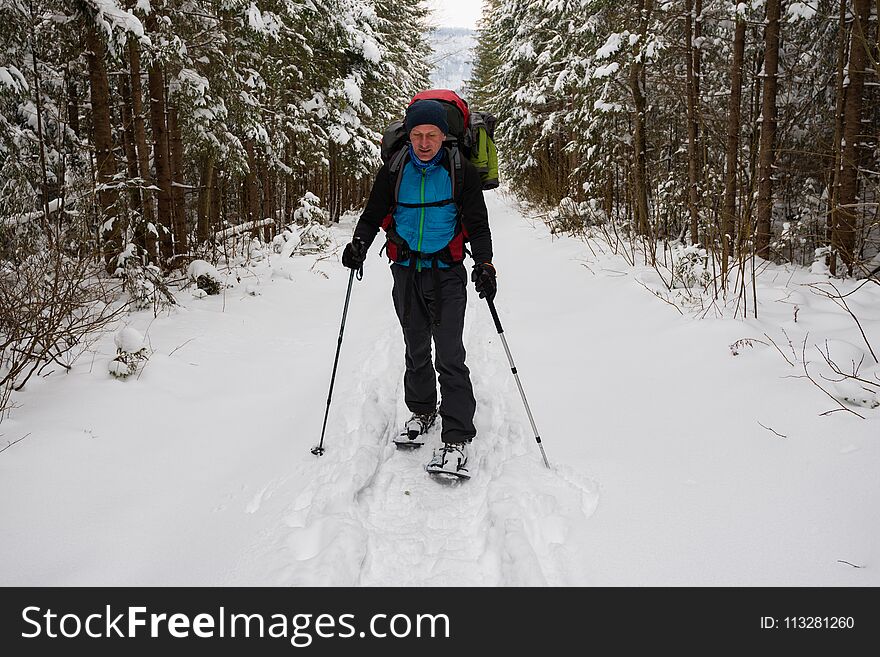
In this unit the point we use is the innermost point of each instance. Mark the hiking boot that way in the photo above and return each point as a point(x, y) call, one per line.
point(450, 459)
point(414, 428)
point(419, 424)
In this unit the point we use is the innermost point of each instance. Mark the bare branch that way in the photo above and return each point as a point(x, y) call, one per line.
point(773, 430)
point(14, 442)
point(815, 383)
point(839, 299)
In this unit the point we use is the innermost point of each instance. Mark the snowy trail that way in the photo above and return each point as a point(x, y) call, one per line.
point(198, 471)
point(371, 515)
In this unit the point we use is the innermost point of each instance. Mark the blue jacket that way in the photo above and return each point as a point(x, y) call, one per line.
point(429, 229)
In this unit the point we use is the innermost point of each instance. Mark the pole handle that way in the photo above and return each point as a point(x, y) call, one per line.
point(494, 312)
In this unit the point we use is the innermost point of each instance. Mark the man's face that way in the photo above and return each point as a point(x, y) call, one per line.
point(426, 140)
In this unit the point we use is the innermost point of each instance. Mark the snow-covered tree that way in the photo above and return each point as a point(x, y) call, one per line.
point(624, 110)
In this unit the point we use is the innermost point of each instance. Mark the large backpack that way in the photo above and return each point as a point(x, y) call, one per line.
point(470, 133)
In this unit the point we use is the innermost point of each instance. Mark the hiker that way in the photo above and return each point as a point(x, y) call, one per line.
point(424, 217)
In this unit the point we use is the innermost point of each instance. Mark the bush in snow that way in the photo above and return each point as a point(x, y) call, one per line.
point(573, 217)
point(287, 241)
point(793, 239)
point(314, 233)
point(315, 237)
point(52, 306)
point(820, 261)
point(205, 276)
point(145, 284)
point(130, 353)
point(689, 267)
point(310, 211)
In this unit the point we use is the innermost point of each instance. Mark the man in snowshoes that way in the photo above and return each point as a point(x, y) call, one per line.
point(428, 208)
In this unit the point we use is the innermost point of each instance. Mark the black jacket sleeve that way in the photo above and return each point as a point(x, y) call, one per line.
point(377, 208)
point(474, 215)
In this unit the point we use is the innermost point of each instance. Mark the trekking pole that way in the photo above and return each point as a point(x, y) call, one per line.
point(318, 450)
point(516, 376)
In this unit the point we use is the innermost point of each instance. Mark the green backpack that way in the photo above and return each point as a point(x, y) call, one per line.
point(483, 153)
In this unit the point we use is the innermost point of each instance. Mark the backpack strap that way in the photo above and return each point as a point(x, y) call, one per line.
point(456, 175)
point(433, 204)
point(395, 168)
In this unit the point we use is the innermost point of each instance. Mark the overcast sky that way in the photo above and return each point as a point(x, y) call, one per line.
point(456, 13)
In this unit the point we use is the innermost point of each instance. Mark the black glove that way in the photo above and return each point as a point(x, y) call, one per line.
point(354, 254)
point(483, 277)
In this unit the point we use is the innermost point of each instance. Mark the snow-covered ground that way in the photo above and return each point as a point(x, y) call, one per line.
point(199, 472)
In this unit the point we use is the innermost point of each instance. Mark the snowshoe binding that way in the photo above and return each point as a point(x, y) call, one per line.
point(413, 434)
point(450, 462)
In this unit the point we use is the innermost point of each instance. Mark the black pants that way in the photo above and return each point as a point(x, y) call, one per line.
point(457, 405)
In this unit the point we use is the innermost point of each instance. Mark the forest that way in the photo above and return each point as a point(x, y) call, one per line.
point(137, 137)
point(720, 131)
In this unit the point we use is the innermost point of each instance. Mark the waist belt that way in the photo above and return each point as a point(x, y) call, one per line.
point(404, 252)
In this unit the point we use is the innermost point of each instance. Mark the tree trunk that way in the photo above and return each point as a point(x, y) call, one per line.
point(252, 187)
point(767, 155)
point(156, 80)
point(105, 162)
point(692, 147)
point(637, 89)
point(333, 184)
point(178, 197)
point(834, 181)
point(131, 161)
point(206, 198)
point(216, 209)
point(845, 216)
point(702, 143)
point(72, 102)
point(289, 194)
point(38, 105)
point(728, 212)
point(145, 238)
point(268, 211)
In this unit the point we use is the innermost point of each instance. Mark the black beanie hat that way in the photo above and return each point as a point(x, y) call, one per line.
point(426, 112)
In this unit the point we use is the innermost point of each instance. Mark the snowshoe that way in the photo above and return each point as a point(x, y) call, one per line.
point(415, 429)
point(450, 461)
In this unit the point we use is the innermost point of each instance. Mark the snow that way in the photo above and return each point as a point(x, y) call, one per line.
point(604, 106)
point(798, 10)
point(673, 461)
point(611, 46)
point(606, 70)
point(352, 90)
point(129, 339)
point(110, 16)
point(339, 134)
point(12, 78)
point(371, 51)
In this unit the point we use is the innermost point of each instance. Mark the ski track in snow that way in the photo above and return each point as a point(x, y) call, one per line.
point(480, 532)
point(504, 527)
